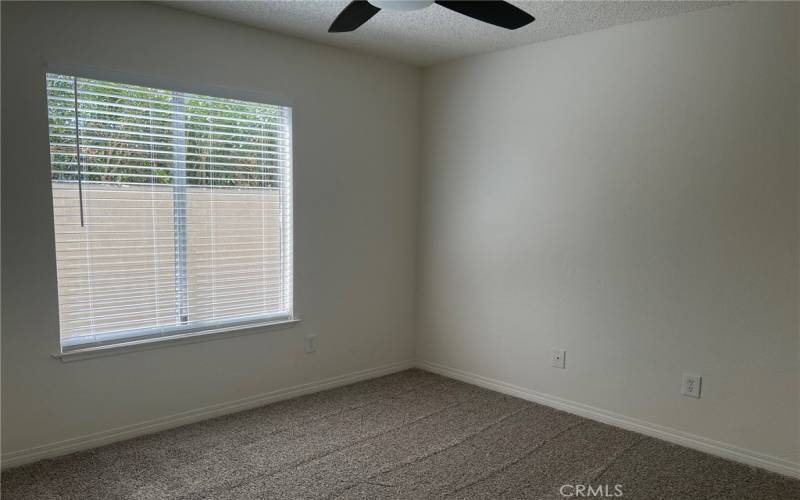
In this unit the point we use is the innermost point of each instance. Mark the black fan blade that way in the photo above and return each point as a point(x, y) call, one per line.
point(354, 15)
point(499, 13)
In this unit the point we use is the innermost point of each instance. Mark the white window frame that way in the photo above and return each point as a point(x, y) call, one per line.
point(147, 338)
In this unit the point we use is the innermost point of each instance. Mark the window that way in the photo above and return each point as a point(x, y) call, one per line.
point(172, 211)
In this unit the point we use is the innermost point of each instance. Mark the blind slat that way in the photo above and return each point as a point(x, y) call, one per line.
point(171, 111)
point(116, 88)
point(115, 325)
point(84, 289)
point(199, 189)
point(163, 291)
point(146, 120)
point(220, 299)
point(56, 93)
point(116, 133)
point(205, 157)
point(118, 138)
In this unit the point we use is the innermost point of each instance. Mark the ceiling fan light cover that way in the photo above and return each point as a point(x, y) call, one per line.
point(402, 5)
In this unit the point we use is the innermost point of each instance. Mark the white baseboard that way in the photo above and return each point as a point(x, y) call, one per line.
point(699, 443)
point(693, 441)
point(66, 446)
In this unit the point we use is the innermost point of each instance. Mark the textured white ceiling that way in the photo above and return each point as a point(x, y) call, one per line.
point(434, 34)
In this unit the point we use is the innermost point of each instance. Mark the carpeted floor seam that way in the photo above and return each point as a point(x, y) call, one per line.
point(304, 422)
point(419, 458)
point(262, 475)
point(222, 449)
point(514, 461)
point(341, 411)
point(604, 468)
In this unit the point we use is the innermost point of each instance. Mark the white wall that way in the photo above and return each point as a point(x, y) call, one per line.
point(356, 151)
point(629, 195)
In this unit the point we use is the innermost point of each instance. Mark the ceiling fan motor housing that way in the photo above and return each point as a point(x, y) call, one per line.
point(495, 12)
point(401, 4)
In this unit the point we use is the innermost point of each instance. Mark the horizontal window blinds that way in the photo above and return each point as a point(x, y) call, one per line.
point(172, 211)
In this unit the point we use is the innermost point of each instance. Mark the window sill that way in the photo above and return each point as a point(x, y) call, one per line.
point(161, 342)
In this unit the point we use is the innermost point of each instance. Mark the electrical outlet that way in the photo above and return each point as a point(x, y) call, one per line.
point(691, 385)
point(310, 344)
point(559, 358)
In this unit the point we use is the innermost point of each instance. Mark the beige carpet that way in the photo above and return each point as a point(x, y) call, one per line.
point(408, 435)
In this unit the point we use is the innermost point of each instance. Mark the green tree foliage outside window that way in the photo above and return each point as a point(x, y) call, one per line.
point(128, 136)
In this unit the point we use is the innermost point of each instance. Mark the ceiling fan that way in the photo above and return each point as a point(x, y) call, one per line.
point(494, 12)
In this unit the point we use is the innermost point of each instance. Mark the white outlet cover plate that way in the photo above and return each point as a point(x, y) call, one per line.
point(692, 384)
point(559, 358)
point(310, 343)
